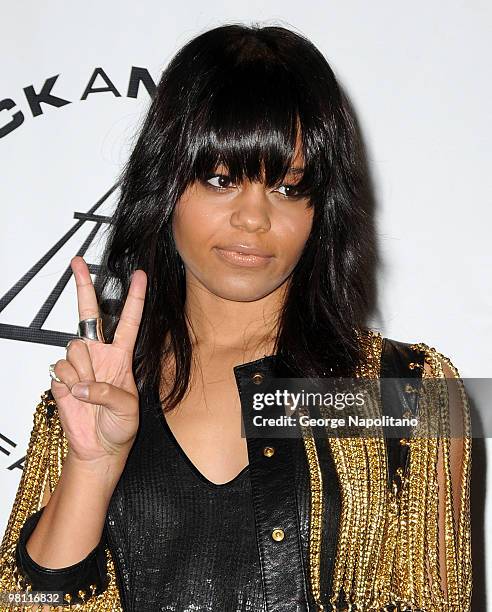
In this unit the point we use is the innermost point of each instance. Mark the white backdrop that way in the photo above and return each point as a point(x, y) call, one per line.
point(418, 76)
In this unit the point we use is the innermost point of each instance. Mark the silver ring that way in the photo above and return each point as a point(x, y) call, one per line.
point(53, 374)
point(91, 329)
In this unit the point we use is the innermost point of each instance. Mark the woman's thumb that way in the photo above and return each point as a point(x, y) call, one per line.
point(101, 393)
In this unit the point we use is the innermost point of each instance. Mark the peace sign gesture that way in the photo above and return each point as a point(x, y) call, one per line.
point(97, 397)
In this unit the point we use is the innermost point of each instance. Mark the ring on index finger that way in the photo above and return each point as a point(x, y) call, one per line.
point(91, 329)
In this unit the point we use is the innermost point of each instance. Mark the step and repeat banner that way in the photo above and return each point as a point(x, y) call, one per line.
point(75, 84)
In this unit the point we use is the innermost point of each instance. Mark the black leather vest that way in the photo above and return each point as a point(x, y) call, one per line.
point(280, 482)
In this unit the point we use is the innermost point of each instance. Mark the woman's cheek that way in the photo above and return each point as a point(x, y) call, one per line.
point(293, 235)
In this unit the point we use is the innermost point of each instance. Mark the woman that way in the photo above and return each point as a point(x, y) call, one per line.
point(238, 253)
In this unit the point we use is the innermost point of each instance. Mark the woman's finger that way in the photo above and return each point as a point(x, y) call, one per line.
point(102, 394)
point(131, 315)
point(79, 357)
point(65, 371)
point(86, 294)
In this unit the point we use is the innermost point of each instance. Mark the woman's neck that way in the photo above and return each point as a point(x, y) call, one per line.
point(218, 324)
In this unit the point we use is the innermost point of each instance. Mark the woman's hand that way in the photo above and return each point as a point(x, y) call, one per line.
point(97, 399)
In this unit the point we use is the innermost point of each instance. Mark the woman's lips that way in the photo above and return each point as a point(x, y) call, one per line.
point(242, 259)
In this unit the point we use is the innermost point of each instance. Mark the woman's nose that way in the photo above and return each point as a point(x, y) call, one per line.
point(251, 209)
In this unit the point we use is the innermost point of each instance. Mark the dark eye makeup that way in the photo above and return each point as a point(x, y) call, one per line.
point(224, 182)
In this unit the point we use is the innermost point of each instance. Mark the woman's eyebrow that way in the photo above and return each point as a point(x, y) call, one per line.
point(295, 170)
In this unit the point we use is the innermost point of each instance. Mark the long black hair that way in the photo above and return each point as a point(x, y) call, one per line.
point(238, 94)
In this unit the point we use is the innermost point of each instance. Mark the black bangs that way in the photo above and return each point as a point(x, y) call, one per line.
point(249, 113)
point(246, 125)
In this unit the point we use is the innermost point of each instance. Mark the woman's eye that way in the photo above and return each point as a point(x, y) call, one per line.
point(221, 181)
point(290, 192)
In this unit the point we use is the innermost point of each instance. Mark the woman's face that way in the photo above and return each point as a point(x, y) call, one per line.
point(241, 242)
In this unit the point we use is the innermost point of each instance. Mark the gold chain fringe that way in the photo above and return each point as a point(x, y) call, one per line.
point(388, 551)
point(46, 452)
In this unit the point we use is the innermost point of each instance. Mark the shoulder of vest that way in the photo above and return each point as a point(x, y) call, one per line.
point(401, 359)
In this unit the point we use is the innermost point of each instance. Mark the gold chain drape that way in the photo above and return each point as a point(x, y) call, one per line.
point(45, 454)
point(387, 551)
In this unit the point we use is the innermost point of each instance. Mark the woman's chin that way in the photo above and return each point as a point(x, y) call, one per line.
point(238, 292)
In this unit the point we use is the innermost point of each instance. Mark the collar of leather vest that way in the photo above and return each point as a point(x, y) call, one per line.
point(259, 369)
point(271, 468)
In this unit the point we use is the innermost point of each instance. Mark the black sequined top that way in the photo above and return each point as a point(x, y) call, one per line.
point(181, 543)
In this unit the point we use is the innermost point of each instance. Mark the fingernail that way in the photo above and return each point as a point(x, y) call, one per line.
point(80, 390)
